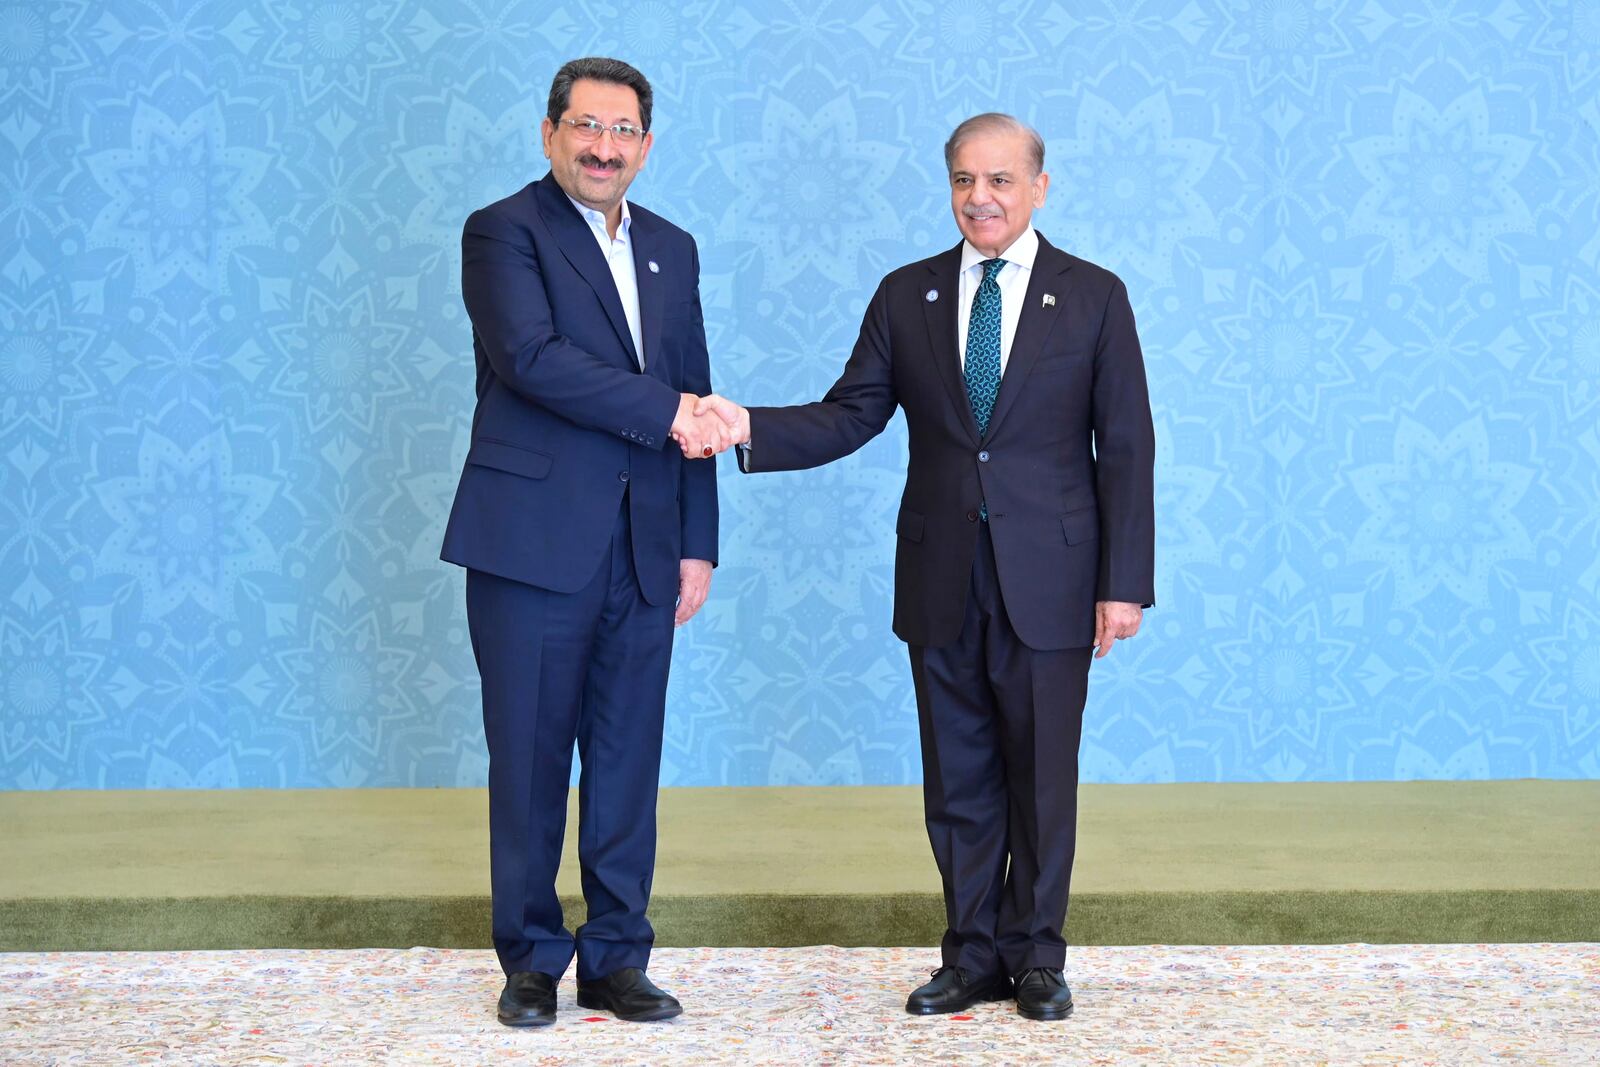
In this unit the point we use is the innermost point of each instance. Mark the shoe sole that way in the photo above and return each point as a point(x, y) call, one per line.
point(522, 1022)
point(991, 997)
point(1045, 1016)
point(657, 1015)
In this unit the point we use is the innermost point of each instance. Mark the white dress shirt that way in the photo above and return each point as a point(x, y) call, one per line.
point(1013, 281)
point(619, 257)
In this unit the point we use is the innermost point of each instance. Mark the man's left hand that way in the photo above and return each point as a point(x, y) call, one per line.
point(694, 585)
point(1113, 621)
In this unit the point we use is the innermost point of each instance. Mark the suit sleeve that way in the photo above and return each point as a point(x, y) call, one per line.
point(853, 412)
point(1125, 450)
point(503, 287)
point(697, 496)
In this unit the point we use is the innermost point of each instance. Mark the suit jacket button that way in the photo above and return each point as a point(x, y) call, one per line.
point(972, 516)
point(622, 476)
point(983, 457)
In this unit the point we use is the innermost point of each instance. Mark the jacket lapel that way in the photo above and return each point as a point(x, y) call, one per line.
point(1049, 275)
point(941, 318)
point(578, 245)
point(652, 285)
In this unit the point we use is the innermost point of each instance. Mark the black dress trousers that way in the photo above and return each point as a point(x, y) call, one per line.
point(1000, 725)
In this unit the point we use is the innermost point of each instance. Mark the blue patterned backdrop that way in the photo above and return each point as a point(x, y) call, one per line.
point(235, 376)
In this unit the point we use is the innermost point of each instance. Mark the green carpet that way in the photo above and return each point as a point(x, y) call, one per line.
point(1174, 864)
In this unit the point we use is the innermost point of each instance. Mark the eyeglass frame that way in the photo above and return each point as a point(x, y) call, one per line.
point(593, 129)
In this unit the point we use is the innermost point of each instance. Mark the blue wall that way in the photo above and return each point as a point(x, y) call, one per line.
point(235, 374)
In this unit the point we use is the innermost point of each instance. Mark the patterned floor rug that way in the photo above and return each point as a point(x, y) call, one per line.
point(1392, 1004)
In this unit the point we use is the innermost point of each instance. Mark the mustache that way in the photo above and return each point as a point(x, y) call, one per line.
point(589, 159)
point(973, 212)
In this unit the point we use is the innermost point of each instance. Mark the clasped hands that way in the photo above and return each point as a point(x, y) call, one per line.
point(708, 425)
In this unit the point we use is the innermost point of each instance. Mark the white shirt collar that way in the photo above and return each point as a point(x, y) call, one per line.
point(598, 218)
point(1022, 251)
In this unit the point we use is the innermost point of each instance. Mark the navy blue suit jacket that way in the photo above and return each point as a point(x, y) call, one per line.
point(565, 420)
point(1066, 466)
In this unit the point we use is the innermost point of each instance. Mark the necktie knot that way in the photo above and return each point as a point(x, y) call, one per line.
point(991, 267)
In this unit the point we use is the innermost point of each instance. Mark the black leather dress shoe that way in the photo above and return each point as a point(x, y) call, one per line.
point(628, 995)
point(529, 999)
point(1042, 993)
point(953, 989)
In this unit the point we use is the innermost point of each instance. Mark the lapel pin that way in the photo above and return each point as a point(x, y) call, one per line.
point(931, 295)
point(654, 269)
point(1049, 300)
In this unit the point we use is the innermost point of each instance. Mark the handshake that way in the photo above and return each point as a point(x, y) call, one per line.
point(708, 425)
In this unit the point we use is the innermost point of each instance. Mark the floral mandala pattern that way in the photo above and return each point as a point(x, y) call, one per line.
point(236, 380)
point(1442, 511)
point(1443, 184)
point(179, 196)
point(185, 522)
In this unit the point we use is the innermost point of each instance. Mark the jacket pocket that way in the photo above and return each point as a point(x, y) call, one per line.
point(1045, 369)
point(909, 525)
point(1081, 525)
point(486, 452)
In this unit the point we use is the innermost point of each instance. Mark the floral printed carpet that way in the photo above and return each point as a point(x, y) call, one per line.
point(1390, 1004)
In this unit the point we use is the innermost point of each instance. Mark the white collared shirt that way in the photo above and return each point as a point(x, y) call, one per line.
point(619, 257)
point(1013, 282)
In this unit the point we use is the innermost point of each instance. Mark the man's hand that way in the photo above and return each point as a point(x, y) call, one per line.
point(694, 585)
point(701, 435)
point(736, 417)
point(1113, 621)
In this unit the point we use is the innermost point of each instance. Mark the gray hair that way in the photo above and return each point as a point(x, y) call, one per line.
point(600, 69)
point(995, 122)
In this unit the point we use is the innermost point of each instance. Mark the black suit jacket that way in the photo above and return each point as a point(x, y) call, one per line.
point(566, 422)
point(1065, 468)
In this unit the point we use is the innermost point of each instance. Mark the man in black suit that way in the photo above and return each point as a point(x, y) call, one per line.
point(1026, 542)
point(584, 532)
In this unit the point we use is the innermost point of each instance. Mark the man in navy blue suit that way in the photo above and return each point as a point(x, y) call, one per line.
point(1026, 542)
point(585, 533)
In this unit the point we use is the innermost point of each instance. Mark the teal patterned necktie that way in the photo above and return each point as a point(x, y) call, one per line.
point(983, 352)
point(983, 346)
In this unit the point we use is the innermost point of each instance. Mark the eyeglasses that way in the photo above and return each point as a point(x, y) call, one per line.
point(590, 130)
